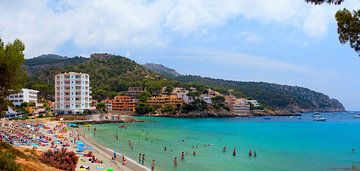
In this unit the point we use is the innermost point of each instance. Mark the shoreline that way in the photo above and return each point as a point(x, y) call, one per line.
point(131, 164)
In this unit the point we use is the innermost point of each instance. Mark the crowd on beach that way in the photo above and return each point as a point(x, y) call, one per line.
point(44, 135)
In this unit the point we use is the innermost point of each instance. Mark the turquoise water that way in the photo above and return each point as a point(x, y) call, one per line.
point(281, 143)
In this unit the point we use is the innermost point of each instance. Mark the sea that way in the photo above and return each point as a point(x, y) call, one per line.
point(281, 142)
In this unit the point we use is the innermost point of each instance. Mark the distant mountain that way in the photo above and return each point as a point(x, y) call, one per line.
point(161, 69)
point(279, 97)
point(110, 74)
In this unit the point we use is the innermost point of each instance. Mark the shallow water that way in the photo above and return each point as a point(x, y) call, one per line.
point(281, 143)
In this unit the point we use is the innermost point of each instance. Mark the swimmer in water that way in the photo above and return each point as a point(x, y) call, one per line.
point(234, 152)
point(175, 162)
point(182, 156)
point(224, 149)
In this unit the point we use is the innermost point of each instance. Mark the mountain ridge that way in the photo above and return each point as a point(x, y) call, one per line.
point(111, 74)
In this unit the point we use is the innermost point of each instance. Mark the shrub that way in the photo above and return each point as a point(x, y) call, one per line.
point(41, 115)
point(61, 159)
point(7, 162)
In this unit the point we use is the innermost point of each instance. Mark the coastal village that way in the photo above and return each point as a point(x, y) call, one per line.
point(43, 129)
point(73, 96)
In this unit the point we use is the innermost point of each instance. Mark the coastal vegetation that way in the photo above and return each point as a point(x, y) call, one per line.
point(110, 75)
point(13, 76)
point(61, 159)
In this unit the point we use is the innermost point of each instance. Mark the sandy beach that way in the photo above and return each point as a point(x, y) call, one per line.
point(44, 135)
point(108, 153)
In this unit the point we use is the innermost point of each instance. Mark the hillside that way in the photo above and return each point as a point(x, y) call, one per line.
point(111, 74)
point(162, 70)
point(279, 97)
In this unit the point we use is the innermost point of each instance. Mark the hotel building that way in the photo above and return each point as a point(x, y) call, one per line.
point(25, 95)
point(162, 101)
point(123, 103)
point(72, 93)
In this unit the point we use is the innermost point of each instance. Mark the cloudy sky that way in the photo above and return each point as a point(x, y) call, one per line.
point(281, 41)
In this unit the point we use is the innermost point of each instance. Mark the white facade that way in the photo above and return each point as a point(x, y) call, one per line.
point(254, 103)
point(26, 95)
point(206, 99)
point(72, 93)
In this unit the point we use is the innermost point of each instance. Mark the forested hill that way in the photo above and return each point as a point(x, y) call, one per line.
point(279, 97)
point(111, 74)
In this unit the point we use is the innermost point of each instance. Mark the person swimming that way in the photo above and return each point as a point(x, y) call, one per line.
point(234, 152)
point(254, 153)
point(224, 149)
point(250, 153)
point(165, 148)
point(182, 156)
point(194, 153)
point(175, 161)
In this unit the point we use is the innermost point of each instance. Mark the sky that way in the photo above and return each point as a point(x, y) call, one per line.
point(280, 41)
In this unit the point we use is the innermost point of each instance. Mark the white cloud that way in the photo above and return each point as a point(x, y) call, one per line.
point(252, 38)
point(45, 25)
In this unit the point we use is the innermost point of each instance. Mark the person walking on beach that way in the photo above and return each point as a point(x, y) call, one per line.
point(182, 155)
point(153, 165)
point(94, 131)
point(140, 158)
point(175, 161)
point(234, 152)
point(143, 159)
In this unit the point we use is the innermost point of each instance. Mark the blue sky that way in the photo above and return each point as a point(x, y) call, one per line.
point(281, 41)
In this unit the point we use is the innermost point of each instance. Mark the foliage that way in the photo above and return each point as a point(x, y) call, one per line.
point(101, 107)
point(13, 77)
point(271, 95)
point(169, 109)
point(218, 102)
point(144, 108)
point(61, 159)
point(349, 28)
point(196, 105)
point(7, 162)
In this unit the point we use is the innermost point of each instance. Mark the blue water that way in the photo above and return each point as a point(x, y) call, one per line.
point(281, 143)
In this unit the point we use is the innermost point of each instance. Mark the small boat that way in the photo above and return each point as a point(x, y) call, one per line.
point(319, 119)
point(356, 116)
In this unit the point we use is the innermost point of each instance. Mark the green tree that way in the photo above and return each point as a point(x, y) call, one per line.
point(348, 24)
point(169, 109)
point(13, 77)
point(218, 102)
point(101, 107)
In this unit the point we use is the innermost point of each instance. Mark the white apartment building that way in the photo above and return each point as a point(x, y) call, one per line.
point(72, 93)
point(25, 95)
